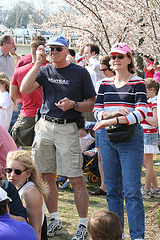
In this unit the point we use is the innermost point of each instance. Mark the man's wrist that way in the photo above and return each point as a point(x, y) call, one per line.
point(75, 105)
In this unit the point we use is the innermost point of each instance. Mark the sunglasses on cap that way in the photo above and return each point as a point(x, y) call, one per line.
point(58, 49)
point(119, 57)
point(17, 171)
point(104, 69)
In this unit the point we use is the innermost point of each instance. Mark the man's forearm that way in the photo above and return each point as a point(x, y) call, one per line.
point(28, 82)
point(86, 106)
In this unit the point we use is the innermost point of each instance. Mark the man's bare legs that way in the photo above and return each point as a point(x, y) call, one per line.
point(81, 196)
point(52, 200)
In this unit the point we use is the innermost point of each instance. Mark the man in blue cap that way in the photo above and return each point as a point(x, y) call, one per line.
point(67, 92)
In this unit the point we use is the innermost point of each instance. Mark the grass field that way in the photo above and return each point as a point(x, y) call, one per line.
point(69, 217)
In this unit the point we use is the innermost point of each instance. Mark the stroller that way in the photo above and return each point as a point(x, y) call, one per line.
point(90, 166)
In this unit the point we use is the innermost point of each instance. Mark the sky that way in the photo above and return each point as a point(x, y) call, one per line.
point(8, 4)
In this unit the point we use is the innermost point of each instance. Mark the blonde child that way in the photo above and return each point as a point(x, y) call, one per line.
point(150, 125)
point(104, 225)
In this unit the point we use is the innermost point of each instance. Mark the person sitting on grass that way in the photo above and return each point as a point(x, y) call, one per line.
point(22, 172)
point(10, 228)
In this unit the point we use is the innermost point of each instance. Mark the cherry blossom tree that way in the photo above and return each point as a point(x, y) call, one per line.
point(105, 22)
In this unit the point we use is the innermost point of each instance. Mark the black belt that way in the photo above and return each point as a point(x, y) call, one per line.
point(57, 120)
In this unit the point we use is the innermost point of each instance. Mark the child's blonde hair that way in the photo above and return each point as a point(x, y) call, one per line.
point(5, 80)
point(104, 225)
point(151, 83)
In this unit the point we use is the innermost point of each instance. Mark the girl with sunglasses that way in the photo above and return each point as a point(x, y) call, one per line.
point(122, 100)
point(22, 172)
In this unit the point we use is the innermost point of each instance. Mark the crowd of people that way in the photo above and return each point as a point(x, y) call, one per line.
point(45, 99)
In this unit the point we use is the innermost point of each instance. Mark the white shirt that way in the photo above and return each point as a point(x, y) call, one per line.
point(7, 109)
point(31, 184)
point(86, 142)
point(7, 64)
point(94, 70)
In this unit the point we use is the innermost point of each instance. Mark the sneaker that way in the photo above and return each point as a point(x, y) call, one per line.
point(54, 227)
point(145, 194)
point(65, 185)
point(155, 192)
point(61, 179)
point(123, 236)
point(81, 233)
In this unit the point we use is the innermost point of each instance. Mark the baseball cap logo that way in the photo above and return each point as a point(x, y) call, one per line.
point(118, 46)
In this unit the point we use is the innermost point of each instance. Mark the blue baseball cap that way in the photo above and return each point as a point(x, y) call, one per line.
point(57, 41)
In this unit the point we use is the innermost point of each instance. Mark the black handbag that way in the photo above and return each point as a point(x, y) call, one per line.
point(120, 132)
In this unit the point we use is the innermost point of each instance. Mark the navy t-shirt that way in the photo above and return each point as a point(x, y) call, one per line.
point(72, 81)
point(16, 207)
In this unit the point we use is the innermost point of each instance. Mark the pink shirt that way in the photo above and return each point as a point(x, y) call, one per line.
point(7, 144)
point(149, 74)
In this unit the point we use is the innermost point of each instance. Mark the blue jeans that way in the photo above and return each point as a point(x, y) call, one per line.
point(122, 166)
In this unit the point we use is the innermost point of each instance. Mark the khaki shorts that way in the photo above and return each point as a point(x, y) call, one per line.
point(56, 148)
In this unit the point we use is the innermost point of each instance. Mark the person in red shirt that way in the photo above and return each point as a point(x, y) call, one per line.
point(149, 69)
point(23, 130)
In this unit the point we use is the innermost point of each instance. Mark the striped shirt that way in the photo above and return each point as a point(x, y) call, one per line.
point(131, 96)
point(147, 128)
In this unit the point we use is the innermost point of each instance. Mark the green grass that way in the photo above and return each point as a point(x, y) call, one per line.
point(69, 217)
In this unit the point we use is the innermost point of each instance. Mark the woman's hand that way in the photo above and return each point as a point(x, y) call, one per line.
point(105, 123)
point(115, 113)
point(120, 112)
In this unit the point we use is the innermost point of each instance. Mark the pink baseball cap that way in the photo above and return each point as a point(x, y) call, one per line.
point(121, 48)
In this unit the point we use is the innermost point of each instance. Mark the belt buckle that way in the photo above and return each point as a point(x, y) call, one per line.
point(55, 120)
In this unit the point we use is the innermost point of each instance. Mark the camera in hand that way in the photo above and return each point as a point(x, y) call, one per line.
point(47, 51)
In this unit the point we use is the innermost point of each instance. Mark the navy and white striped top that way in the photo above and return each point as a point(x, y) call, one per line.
point(131, 96)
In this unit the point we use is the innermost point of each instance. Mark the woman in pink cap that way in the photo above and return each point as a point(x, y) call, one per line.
point(122, 100)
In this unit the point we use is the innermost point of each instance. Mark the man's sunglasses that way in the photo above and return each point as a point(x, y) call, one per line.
point(17, 171)
point(58, 49)
point(119, 57)
point(104, 69)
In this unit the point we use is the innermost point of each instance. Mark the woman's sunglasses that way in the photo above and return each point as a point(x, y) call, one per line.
point(119, 57)
point(58, 49)
point(104, 69)
point(17, 171)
